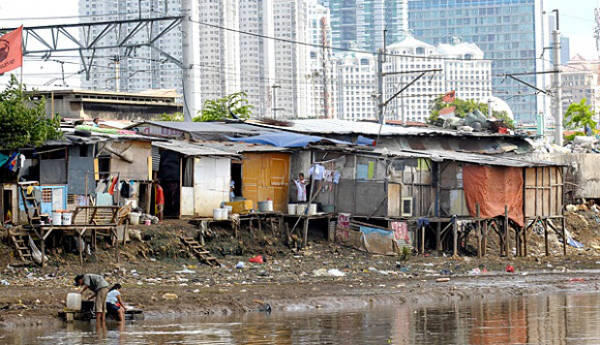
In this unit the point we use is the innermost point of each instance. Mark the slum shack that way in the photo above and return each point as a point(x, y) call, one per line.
point(196, 179)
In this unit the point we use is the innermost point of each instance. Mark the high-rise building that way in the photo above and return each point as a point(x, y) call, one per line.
point(219, 49)
point(143, 68)
point(356, 86)
point(581, 80)
point(321, 79)
point(257, 61)
point(462, 69)
point(361, 23)
point(511, 33)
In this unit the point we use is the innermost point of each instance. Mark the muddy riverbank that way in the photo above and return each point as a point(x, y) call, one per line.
point(159, 276)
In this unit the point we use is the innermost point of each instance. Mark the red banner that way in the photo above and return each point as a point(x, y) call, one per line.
point(11, 50)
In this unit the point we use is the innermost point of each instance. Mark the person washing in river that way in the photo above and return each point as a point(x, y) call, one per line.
point(114, 303)
point(99, 287)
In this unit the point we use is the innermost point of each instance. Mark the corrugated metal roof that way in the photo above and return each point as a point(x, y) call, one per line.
point(198, 127)
point(343, 127)
point(191, 149)
point(495, 160)
point(239, 147)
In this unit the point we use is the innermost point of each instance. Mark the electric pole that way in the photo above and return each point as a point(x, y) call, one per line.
point(380, 86)
point(191, 60)
point(275, 87)
point(558, 137)
point(325, 45)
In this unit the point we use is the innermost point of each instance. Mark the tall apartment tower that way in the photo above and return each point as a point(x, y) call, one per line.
point(144, 68)
point(257, 60)
point(361, 23)
point(511, 33)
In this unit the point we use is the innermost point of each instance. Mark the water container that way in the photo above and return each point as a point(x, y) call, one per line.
point(300, 209)
point(74, 301)
point(229, 209)
point(220, 214)
point(56, 218)
point(312, 209)
point(292, 208)
point(67, 218)
point(263, 206)
point(134, 218)
point(269, 205)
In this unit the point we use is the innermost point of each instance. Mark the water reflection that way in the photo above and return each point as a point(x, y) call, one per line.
point(555, 320)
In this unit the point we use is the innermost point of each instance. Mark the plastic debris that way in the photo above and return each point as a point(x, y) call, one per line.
point(510, 268)
point(442, 280)
point(240, 265)
point(259, 259)
point(332, 272)
point(169, 296)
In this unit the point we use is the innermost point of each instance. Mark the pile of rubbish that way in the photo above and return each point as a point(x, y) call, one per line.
point(579, 144)
point(474, 121)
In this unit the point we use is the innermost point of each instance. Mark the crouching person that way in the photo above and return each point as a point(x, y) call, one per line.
point(114, 302)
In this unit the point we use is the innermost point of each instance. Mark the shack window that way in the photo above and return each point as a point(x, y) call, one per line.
point(104, 166)
point(83, 151)
point(366, 169)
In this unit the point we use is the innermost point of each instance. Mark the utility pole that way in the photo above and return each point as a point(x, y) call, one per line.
point(191, 60)
point(117, 61)
point(380, 105)
point(325, 44)
point(558, 137)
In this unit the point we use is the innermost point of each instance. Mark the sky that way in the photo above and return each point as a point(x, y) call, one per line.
point(577, 22)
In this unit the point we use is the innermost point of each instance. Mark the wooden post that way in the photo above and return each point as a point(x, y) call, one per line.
point(545, 225)
point(42, 247)
point(114, 231)
point(484, 239)
point(80, 247)
point(455, 238)
point(564, 234)
point(287, 233)
point(438, 230)
point(423, 240)
point(506, 232)
point(305, 235)
point(478, 213)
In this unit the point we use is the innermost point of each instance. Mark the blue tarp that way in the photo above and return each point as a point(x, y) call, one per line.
point(286, 139)
point(364, 141)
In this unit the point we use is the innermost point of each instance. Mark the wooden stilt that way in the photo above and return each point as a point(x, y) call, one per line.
point(478, 229)
point(484, 239)
point(545, 225)
point(564, 234)
point(43, 248)
point(305, 235)
point(423, 240)
point(525, 240)
point(506, 232)
point(455, 238)
point(438, 237)
point(80, 246)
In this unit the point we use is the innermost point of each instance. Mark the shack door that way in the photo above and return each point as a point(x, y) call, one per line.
point(266, 176)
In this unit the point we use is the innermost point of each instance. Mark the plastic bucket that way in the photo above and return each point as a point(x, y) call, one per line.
point(67, 218)
point(56, 218)
point(269, 205)
point(263, 206)
point(134, 218)
point(74, 301)
point(220, 214)
point(300, 209)
point(312, 209)
point(292, 208)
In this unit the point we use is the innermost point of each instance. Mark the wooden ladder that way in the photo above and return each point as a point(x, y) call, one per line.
point(19, 240)
point(30, 203)
point(202, 254)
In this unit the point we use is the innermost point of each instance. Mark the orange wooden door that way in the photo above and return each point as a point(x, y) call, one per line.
point(265, 176)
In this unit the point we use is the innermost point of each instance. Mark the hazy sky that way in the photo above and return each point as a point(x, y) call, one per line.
point(577, 22)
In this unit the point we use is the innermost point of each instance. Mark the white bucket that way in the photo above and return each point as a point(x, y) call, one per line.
point(300, 209)
point(269, 205)
point(67, 218)
point(134, 218)
point(229, 209)
point(292, 208)
point(56, 218)
point(312, 210)
point(220, 214)
point(74, 301)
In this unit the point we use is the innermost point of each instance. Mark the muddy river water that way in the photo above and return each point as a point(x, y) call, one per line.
point(565, 318)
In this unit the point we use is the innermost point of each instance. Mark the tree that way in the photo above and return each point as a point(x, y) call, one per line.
point(175, 117)
point(226, 107)
point(579, 116)
point(23, 120)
